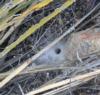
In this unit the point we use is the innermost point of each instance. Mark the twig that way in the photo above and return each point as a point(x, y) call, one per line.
point(21, 89)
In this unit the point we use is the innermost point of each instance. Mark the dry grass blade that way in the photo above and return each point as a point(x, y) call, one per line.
point(68, 86)
point(65, 82)
point(35, 69)
point(8, 6)
point(6, 21)
point(17, 20)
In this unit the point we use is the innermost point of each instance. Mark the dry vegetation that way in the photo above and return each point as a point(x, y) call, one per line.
point(49, 47)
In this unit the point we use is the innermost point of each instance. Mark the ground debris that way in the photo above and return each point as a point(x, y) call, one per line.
point(77, 54)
